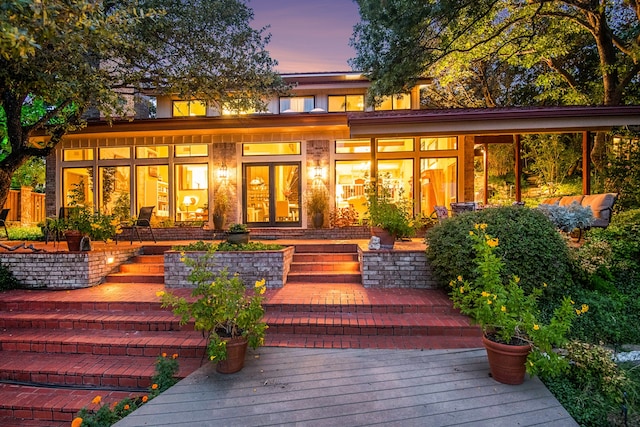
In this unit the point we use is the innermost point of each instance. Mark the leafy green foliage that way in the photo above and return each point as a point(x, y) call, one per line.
point(7, 279)
point(552, 157)
point(530, 248)
point(622, 174)
point(25, 233)
point(227, 247)
point(393, 214)
point(568, 218)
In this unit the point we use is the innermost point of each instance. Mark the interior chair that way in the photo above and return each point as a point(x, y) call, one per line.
point(143, 221)
point(3, 220)
point(282, 210)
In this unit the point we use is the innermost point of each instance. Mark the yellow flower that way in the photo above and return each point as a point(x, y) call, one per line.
point(145, 399)
point(164, 354)
point(585, 308)
point(260, 283)
point(493, 242)
point(536, 327)
point(530, 363)
point(459, 278)
point(175, 355)
point(471, 233)
point(545, 285)
point(503, 309)
point(77, 422)
point(160, 294)
point(462, 289)
point(485, 294)
point(96, 400)
point(578, 312)
point(263, 290)
point(154, 387)
point(212, 357)
point(483, 226)
point(489, 301)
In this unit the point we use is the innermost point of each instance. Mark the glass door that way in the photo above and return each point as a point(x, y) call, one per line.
point(271, 194)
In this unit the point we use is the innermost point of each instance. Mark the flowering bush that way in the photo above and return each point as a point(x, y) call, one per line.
point(506, 314)
point(105, 415)
point(221, 306)
point(96, 225)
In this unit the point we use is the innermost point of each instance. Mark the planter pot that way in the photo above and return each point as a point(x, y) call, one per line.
point(507, 362)
point(387, 240)
point(317, 219)
point(236, 351)
point(238, 238)
point(75, 241)
point(218, 222)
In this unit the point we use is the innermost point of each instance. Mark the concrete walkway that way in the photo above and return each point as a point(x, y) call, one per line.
point(323, 387)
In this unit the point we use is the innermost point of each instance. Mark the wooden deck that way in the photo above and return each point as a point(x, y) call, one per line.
point(324, 387)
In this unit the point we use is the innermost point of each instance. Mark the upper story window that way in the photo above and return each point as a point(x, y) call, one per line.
point(351, 146)
point(396, 102)
point(152, 152)
point(342, 103)
point(394, 145)
point(296, 104)
point(439, 143)
point(114, 153)
point(193, 150)
point(189, 108)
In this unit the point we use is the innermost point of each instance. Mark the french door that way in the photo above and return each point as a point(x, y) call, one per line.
point(271, 194)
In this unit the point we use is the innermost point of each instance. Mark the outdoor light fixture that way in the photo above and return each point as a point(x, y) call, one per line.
point(223, 173)
point(317, 172)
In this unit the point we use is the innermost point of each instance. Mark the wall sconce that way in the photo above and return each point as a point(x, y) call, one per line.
point(223, 173)
point(317, 172)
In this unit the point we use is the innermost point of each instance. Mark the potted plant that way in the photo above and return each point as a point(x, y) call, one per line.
point(221, 306)
point(389, 218)
point(317, 203)
point(515, 336)
point(238, 234)
point(220, 208)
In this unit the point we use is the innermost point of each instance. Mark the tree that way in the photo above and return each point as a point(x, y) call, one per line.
point(60, 59)
point(572, 44)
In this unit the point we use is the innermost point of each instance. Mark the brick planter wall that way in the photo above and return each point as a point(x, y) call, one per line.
point(395, 269)
point(64, 270)
point(251, 266)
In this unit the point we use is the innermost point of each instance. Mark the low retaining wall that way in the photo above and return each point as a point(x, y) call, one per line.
point(273, 266)
point(64, 270)
point(395, 269)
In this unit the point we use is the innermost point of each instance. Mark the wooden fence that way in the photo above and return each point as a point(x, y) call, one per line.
point(25, 206)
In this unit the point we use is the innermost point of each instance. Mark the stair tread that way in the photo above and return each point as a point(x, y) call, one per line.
point(368, 319)
point(102, 337)
point(402, 342)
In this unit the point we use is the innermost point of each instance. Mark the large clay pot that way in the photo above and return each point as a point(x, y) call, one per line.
point(387, 240)
point(218, 222)
point(74, 240)
point(317, 219)
point(238, 238)
point(236, 351)
point(507, 362)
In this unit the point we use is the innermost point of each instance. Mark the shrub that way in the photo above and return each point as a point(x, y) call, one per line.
point(568, 218)
point(530, 248)
point(7, 280)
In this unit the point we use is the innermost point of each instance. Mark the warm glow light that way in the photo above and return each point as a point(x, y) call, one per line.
point(223, 173)
point(110, 260)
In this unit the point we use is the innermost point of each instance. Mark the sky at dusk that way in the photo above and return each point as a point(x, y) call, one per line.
point(307, 35)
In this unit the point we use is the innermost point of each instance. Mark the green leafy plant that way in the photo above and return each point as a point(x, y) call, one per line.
point(220, 203)
point(238, 228)
point(507, 314)
point(317, 200)
point(568, 218)
point(221, 306)
point(100, 414)
point(7, 279)
point(389, 213)
point(247, 247)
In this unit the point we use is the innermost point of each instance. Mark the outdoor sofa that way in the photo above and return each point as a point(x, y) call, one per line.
point(601, 205)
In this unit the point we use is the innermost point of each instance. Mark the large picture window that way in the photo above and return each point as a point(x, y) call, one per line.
point(395, 102)
point(191, 191)
point(115, 194)
point(342, 103)
point(152, 189)
point(438, 183)
point(189, 108)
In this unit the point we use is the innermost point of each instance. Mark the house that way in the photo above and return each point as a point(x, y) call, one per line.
point(320, 135)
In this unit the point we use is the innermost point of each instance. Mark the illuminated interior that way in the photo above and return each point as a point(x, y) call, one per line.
point(438, 183)
point(272, 193)
point(153, 189)
point(191, 189)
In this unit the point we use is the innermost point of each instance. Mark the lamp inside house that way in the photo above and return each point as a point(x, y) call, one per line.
point(189, 201)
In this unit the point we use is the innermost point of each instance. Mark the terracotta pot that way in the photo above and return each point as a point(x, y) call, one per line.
point(74, 240)
point(387, 240)
point(236, 351)
point(507, 362)
point(238, 238)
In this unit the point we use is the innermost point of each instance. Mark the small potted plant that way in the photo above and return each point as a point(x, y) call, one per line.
point(514, 334)
point(317, 203)
point(220, 208)
point(390, 219)
point(221, 306)
point(238, 234)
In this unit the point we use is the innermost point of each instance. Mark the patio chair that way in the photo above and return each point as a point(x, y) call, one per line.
point(460, 207)
point(143, 221)
point(3, 220)
point(441, 213)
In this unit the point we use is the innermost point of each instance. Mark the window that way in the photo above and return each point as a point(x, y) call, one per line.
point(351, 178)
point(442, 143)
point(77, 155)
point(349, 146)
point(192, 150)
point(395, 102)
point(77, 186)
point(271, 149)
point(191, 192)
point(296, 104)
point(154, 152)
point(394, 145)
point(115, 153)
point(114, 187)
point(438, 183)
point(189, 108)
point(341, 103)
point(152, 189)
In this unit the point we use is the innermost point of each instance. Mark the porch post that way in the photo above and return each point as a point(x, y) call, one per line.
point(518, 167)
point(485, 159)
point(586, 164)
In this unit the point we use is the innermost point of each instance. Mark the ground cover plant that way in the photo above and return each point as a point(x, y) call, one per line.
point(601, 271)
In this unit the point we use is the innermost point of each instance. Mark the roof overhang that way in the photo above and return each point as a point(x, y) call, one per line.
point(492, 121)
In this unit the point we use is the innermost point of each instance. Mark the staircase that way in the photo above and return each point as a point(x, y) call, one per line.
point(324, 305)
point(59, 349)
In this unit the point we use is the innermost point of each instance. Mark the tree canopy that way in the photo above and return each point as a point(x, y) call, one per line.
point(59, 59)
point(553, 52)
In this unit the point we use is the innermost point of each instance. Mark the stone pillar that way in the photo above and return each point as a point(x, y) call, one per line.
point(25, 206)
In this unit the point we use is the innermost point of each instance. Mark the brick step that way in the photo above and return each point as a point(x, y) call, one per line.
point(135, 278)
point(397, 308)
point(311, 277)
point(51, 405)
point(190, 344)
point(325, 257)
point(80, 305)
point(327, 248)
point(344, 266)
point(142, 268)
point(124, 373)
point(148, 259)
point(369, 341)
point(93, 320)
point(416, 324)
